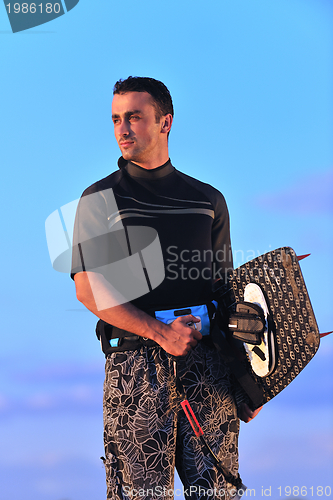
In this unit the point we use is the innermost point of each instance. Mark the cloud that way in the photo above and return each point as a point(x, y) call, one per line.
point(56, 387)
point(4, 402)
point(63, 372)
point(76, 398)
point(65, 478)
point(311, 194)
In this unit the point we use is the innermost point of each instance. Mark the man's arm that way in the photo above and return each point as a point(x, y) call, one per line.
point(246, 414)
point(176, 339)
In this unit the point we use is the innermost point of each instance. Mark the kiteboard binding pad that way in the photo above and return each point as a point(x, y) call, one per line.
point(261, 357)
point(271, 290)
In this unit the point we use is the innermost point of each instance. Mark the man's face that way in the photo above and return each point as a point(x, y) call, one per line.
point(138, 134)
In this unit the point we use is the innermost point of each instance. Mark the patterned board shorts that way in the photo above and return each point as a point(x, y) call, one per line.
point(146, 433)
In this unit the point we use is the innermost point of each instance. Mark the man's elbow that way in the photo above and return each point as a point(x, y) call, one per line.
point(79, 295)
point(82, 287)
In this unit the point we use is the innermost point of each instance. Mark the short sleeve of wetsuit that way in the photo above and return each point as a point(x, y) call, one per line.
point(95, 246)
point(221, 244)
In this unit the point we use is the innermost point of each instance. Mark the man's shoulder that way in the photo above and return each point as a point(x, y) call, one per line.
point(108, 182)
point(210, 191)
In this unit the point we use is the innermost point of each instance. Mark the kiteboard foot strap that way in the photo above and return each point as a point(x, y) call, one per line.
point(247, 323)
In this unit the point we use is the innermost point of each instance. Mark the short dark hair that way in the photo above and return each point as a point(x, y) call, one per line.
point(159, 92)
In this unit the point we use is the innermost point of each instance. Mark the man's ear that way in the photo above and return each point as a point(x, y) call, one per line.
point(166, 123)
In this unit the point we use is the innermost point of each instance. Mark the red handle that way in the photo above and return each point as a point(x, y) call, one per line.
point(191, 418)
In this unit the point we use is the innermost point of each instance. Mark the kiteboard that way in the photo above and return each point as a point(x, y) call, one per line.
point(291, 332)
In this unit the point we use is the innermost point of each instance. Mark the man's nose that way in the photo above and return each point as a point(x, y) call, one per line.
point(124, 128)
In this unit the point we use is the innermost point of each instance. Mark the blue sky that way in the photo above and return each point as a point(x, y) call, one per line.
point(252, 88)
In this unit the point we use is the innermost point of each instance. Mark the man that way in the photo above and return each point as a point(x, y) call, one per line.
point(146, 433)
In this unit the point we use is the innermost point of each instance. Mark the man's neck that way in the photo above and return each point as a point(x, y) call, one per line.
point(150, 165)
point(154, 161)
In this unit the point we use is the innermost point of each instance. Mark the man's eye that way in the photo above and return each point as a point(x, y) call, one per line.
point(115, 121)
point(134, 117)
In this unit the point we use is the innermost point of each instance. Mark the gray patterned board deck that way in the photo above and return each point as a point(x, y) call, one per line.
point(294, 324)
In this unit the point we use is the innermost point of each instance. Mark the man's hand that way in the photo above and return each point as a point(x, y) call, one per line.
point(177, 338)
point(246, 414)
point(180, 338)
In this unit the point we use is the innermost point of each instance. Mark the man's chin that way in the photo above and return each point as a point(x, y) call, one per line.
point(130, 155)
point(127, 157)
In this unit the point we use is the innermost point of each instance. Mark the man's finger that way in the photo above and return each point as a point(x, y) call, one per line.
point(189, 318)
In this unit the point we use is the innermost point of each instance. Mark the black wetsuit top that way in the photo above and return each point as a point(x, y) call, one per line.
point(189, 216)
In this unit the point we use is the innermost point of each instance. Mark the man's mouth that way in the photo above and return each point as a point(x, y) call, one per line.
point(125, 144)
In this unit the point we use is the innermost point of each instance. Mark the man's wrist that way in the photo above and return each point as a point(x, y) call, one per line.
point(156, 331)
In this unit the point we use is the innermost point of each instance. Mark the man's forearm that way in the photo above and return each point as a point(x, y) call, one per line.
point(177, 338)
point(125, 316)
